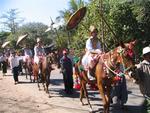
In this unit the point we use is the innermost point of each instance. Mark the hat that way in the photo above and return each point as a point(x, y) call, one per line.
point(146, 50)
point(92, 28)
point(38, 40)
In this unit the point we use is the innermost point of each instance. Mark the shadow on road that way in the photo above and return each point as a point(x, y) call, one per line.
point(126, 109)
point(26, 82)
point(117, 109)
point(56, 81)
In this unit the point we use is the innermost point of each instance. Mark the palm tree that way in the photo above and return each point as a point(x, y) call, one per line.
point(74, 5)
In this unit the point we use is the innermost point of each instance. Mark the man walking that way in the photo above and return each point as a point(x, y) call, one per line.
point(67, 71)
point(14, 65)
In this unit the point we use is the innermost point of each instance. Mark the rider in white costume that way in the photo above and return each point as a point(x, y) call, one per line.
point(93, 50)
point(27, 53)
point(39, 51)
point(92, 46)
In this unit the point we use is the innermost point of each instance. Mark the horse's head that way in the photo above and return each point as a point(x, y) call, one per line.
point(125, 55)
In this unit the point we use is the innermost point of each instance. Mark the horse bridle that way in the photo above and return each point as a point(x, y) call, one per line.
point(120, 52)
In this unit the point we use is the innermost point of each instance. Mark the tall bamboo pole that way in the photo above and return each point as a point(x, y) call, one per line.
point(102, 25)
point(104, 22)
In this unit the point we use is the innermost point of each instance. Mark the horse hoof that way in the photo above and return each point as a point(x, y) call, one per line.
point(82, 103)
point(49, 96)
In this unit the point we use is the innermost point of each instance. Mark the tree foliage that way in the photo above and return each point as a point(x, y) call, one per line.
point(11, 20)
point(116, 20)
point(128, 20)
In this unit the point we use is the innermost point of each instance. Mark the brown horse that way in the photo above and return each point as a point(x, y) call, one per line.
point(104, 72)
point(27, 65)
point(42, 71)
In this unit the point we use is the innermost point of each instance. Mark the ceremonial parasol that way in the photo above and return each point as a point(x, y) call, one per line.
point(5, 44)
point(75, 19)
point(21, 38)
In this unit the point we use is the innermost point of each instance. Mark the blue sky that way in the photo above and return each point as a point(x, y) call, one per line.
point(35, 10)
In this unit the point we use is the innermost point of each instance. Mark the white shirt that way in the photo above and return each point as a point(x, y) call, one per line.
point(38, 51)
point(14, 61)
point(89, 46)
point(2, 58)
point(28, 52)
point(143, 62)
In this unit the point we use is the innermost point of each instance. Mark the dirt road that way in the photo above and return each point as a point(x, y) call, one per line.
point(26, 98)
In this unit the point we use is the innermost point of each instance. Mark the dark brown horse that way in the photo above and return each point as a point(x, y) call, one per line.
point(42, 72)
point(104, 72)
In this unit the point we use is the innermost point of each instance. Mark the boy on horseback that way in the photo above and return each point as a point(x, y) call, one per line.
point(93, 50)
point(39, 51)
point(27, 53)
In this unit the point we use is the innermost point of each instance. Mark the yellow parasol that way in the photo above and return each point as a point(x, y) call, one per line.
point(5, 44)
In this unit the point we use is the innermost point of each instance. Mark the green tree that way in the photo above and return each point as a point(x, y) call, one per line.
point(11, 20)
point(123, 21)
point(67, 36)
point(35, 30)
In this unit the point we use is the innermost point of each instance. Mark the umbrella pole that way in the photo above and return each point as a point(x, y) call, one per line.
point(69, 42)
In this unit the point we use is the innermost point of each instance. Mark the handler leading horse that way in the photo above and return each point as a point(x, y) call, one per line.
point(104, 71)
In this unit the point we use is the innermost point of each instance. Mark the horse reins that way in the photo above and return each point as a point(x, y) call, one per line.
point(124, 69)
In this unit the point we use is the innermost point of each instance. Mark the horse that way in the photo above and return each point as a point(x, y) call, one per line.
point(43, 71)
point(104, 72)
point(27, 65)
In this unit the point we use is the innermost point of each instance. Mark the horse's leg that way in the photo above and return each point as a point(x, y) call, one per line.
point(99, 75)
point(107, 96)
point(48, 82)
point(102, 93)
point(25, 68)
point(26, 73)
point(86, 94)
point(36, 74)
point(81, 91)
point(82, 82)
point(43, 75)
point(30, 71)
point(36, 77)
point(30, 74)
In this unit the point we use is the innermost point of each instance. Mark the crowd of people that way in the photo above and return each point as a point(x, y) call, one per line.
point(65, 62)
